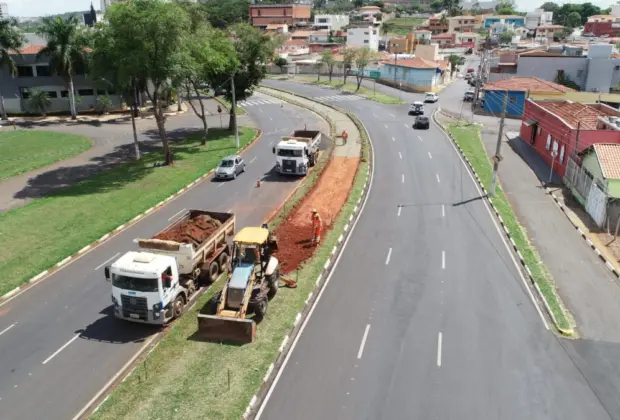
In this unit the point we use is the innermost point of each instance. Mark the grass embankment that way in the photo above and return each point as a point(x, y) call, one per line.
point(40, 234)
point(403, 25)
point(186, 379)
point(227, 105)
point(468, 138)
point(22, 151)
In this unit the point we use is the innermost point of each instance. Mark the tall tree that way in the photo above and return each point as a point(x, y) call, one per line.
point(11, 40)
point(348, 57)
point(550, 6)
point(454, 61)
point(148, 37)
point(573, 20)
point(362, 59)
point(327, 58)
point(66, 50)
point(224, 13)
point(39, 101)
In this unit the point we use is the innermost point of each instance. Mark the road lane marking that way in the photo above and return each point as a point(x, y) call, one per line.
point(392, 115)
point(62, 348)
point(385, 126)
point(270, 143)
point(387, 260)
point(252, 160)
point(219, 184)
point(107, 261)
point(401, 156)
point(176, 214)
point(420, 138)
point(429, 155)
point(374, 115)
point(402, 178)
point(393, 139)
point(443, 260)
point(443, 211)
point(363, 343)
point(7, 328)
point(439, 344)
point(399, 209)
point(406, 125)
point(271, 118)
point(437, 175)
point(260, 109)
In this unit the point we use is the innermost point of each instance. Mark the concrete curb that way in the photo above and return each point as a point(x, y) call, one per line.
point(320, 282)
point(29, 123)
point(607, 263)
point(528, 272)
point(43, 275)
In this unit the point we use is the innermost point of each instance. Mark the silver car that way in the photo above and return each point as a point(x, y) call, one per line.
point(230, 167)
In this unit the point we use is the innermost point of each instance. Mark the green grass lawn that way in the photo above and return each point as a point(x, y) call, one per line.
point(404, 25)
point(468, 137)
point(24, 150)
point(187, 379)
point(40, 234)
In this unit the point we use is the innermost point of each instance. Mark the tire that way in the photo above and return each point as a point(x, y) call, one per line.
point(214, 271)
point(235, 175)
point(177, 307)
point(243, 168)
point(191, 288)
point(223, 260)
point(260, 309)
point(274, 283)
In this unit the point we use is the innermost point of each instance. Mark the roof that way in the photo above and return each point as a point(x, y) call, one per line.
point(301, 33)
point(276, 26)
point(539, 53)
point(524, 84)
point(462, 17)
point(443, 36)
point(601, 16)
point(505, 17)
point(550, 27)
point(573, 113)
point(31, 49)
point(252, 236)
point(608, 155)
point(415, 63)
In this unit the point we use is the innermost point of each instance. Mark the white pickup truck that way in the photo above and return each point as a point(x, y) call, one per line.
point(296, 153)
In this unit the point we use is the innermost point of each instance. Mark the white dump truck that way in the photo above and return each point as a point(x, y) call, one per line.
point(298, 152)
point(153, 284)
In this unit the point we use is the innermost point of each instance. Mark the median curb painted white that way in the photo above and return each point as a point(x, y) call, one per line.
point(29, 123)
point(530, 278)
point(59, 265)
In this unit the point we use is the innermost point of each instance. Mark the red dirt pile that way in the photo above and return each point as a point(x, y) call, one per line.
point(327, 197)
point(191, 231)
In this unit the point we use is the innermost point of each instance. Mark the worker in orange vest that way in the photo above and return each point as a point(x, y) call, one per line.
point(317, 227)
point(345, 136)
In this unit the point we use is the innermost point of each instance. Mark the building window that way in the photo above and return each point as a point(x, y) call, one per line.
point(258, 12)
point(538, 131)
point(64, 93)
point(555, 147)
point(365, 41)
point(513, 100)
point(24, 71)
point(617, 68)
point(86, 92)
point(52, 94)
point(43, 71)
point(100, 92)
point(548, 145)
point(24, 93)
point(562, 154)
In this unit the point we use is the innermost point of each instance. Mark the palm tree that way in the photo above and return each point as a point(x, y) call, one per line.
point(11, 40)
point(65, 49)
point(39, 101)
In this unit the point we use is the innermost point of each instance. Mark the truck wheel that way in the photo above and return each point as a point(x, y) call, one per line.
point(223, 261)
point(235, 175)
point(177, 306)
point(274, 283)
point(260, 309)
point(191, 288)
point(214, 271)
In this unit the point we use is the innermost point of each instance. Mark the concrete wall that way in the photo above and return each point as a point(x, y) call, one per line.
point(363, 37)
point(546, 68)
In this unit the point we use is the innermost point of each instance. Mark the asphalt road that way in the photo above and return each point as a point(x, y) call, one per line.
point(59, 343)
point(426, 316)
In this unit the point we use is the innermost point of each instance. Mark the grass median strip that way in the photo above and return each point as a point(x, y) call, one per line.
point(25, 150)
point(468, 138)
point(186, 379)
point(40, 234)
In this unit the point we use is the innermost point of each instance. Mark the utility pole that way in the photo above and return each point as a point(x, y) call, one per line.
point(498, 157)
point(395, 68)
point(234, 110)
point(576, 151)
point(478, 80)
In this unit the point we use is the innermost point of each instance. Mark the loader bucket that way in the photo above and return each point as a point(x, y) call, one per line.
point(222, 329)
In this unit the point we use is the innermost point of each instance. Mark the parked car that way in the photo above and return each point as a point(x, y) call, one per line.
point(469, 95)
point(230, 167)
point(470, 70)
point(421, 122)
point(431, 97)
point(416, 108)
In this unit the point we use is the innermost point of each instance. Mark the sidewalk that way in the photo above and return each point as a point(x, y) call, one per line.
point(353, 147)
point(588, 288)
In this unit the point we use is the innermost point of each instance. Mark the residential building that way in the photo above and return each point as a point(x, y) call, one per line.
point(293, 15)
point(401, 45)
point(601, 18)
point(602, 162)
point(513, 20)
point(538, 18)
point(515, 91)
point(444, 40)
point(368, 11)
point(319, 41)
point(416, 74)
point(565, 128)
point(436, 26)
point(4, 10)
point(422, 36)
point(484, 6)
point(278, 28)
point(36, 73)
point(499, 27)
point(363, 37)
point(602, 25)
point(300, 35)
point(330, 22)
point(467, 39)
point(462, 24)
point(546, 33)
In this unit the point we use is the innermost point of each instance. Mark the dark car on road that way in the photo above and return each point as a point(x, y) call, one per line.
point(421, 122)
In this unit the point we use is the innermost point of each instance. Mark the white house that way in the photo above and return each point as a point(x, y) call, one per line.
point(363, 37)
point(330, 22)
point(538, 18)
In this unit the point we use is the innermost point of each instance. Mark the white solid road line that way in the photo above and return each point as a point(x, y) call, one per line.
point(399, 209)
point(443, 211)
point(443, 260)
point(393, 139)
point(107, 261)
point(62, 348)
point(176, 214)
point(363, 343)
point(7, 328)
point(429, 155)
point(401, 156)
point(402, 178)
point(437, 175)
point(387, 260)
point(252, 160)
point(439, 344)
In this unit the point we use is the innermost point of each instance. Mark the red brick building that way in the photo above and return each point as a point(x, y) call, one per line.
point(269, 14)
point(567, 127)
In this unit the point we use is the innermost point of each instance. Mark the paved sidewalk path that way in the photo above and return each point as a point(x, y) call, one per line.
point(353, 146)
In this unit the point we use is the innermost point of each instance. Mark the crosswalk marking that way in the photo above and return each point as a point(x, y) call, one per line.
point(258, 102)
point(338, 98)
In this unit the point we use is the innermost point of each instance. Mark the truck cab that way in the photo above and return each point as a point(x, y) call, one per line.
point(292, 157)
point(146, 288)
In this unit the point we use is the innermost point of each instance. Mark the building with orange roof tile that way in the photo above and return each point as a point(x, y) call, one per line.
point(602, 162)
point(415, 74)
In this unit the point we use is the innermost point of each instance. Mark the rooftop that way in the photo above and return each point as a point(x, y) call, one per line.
point(550, 27)
point(505, 17)
point(574, 113)
point(539, 53)
point(443, 36)
point(608, 155)
point(417, 63)
point(524, 84)
point(31, 49)
point(601, 17)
